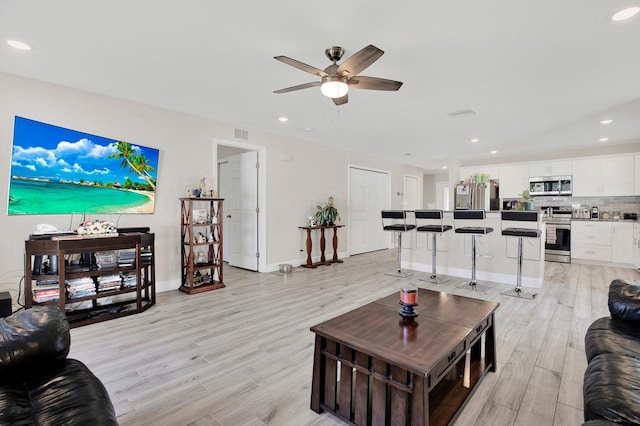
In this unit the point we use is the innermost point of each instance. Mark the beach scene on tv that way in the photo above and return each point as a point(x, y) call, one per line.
point(62, 171)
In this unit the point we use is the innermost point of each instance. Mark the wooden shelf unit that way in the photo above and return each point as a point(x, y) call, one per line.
point(142, 296)
point(204, 216)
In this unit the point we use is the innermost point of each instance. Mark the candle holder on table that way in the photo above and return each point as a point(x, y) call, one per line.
point(408, 300)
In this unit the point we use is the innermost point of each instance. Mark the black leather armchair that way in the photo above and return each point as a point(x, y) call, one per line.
point(612, 346)
point(39, 385)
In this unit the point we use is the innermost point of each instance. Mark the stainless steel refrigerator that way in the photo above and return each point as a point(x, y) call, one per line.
point(481, 196)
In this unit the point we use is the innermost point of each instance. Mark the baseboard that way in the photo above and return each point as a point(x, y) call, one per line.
point(529, 282)
point(274, 267)
point(170, 285)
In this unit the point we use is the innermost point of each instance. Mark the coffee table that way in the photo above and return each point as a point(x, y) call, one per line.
point(371, 367)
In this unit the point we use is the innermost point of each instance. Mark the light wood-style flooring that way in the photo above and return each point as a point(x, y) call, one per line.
point(243, 355)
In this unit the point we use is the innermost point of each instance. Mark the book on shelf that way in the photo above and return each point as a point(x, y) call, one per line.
point(47, 283)
point(109, 282)
point(46, 295)
point(80, 287)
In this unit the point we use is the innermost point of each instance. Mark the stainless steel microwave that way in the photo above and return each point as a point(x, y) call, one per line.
point(550, 185)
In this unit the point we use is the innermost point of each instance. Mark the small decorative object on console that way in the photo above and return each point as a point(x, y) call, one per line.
point(200, 216)
point(203, 188)
point(201, 258)
point(97, 227)
point(327, 214)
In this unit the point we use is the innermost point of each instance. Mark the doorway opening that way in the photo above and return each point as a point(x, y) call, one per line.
point(241, 178)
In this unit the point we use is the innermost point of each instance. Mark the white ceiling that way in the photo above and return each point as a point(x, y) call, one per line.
point(540, 74)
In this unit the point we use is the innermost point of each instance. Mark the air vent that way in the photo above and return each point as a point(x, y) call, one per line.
point(462, 113)
point(241, 134)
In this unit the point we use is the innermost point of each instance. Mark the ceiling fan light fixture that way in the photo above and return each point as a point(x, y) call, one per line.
point(334, 87)
point(626, 13)
point(18, 45)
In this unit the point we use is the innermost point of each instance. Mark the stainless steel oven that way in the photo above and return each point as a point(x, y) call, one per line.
point(557, 246)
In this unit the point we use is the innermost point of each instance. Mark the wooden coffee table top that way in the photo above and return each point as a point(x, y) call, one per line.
point(376, 328)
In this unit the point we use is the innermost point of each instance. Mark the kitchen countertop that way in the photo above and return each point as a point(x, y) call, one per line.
point(577, 219)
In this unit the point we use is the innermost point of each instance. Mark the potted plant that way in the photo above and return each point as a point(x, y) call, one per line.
point(327, 214)
point(526, 202)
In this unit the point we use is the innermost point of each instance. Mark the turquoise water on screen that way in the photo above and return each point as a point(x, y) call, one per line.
point(39, 197)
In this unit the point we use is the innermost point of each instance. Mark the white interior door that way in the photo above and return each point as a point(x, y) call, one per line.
point(442, 195)
point(241, 210)
point(411, 195)
point(368, 195)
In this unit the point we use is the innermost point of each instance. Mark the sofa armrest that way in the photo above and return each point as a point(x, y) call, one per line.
point(71, 395)
point(33, 340)
point(624, 300)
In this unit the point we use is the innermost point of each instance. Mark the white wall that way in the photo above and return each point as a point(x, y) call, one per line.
point(294, 187)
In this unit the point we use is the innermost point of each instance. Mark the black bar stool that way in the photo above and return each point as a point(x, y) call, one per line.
point(435, 227)
point(396, 221)
point(521, 233)
point(474, 231)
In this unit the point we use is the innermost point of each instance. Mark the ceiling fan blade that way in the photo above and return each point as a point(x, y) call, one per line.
point(342, 100)
point(298, 87)
point(301, 66)
point(359, 61)
point(373, 83)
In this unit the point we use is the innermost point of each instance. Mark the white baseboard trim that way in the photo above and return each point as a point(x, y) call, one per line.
point(509, 279)
point(274, 267)
point(171, 285)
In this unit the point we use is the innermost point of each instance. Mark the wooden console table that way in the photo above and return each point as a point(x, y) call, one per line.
point(370, 367)
point(323, 260)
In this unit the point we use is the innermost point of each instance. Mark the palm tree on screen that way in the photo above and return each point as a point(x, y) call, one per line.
point(137, 163)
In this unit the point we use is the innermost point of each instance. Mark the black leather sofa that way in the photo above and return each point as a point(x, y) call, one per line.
point(612, 345)
point(39, 385)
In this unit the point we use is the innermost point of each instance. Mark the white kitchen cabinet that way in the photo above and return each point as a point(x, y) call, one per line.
point(617, 175)
point(514, 179)
point(609, 242)
point(587, 177)
point(636, 174)
point(622, 239)
point(590, 241)
point(603, 176)
point(590, 252)
point(550, 168)
point(492, 171)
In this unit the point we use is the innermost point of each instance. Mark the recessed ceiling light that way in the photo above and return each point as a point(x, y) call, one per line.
point(626, 13)
point(494, 152)
point(18, 45)
point(467, 112)
point(474, 140)
point(607, 121)
point(283, 119)
point(444, 167)
point(603, 139)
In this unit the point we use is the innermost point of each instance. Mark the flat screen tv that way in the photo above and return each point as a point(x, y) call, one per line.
point(62, 171)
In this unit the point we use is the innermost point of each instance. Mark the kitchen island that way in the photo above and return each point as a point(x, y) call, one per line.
point(496, 255)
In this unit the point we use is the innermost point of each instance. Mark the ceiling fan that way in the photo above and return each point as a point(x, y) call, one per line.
point(337, 79)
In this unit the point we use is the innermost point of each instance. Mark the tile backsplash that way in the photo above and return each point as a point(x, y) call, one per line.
point(604, 204)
